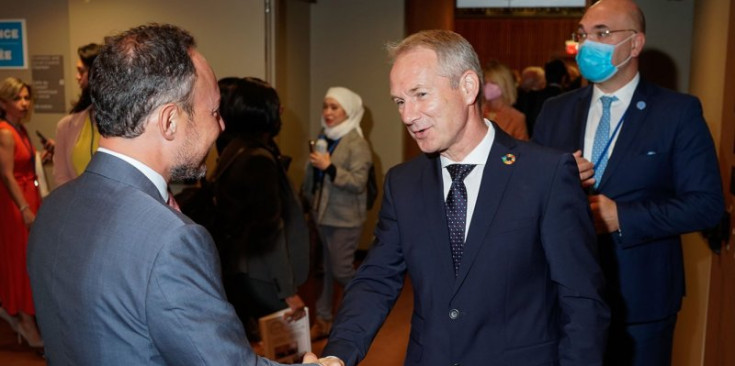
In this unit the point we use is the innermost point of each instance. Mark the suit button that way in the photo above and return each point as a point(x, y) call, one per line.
point(453, 314)
point(456, 364)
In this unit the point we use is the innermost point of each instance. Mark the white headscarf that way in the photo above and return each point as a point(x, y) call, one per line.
point(352, 104)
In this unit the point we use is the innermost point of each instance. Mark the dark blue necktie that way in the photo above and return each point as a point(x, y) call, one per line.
point(456, 209)
point(602, 139)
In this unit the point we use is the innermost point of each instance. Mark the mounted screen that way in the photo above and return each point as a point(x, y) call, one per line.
point(521, 3)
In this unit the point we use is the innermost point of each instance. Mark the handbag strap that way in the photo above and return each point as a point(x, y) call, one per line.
point(222, 166)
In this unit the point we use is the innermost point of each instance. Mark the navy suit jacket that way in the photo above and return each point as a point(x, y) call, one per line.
point(664, 177)
point(120, 278)
point(529, 288)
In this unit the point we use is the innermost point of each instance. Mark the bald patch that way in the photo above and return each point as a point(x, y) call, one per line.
point(633, 14)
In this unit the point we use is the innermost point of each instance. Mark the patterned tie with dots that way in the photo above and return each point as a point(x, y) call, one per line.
point(456, 209)
point(602, 136)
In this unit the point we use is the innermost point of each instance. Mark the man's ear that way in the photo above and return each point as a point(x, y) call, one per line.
point(469, 84)
point(168, 117)
point(639, 40)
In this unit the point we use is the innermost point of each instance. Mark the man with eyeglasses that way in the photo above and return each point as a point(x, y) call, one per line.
point(647, 159)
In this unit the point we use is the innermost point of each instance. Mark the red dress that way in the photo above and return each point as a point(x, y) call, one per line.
point(15, 287)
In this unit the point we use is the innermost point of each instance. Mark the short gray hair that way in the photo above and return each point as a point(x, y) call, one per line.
point(454, 53)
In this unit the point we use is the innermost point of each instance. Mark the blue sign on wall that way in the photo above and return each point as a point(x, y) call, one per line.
point(13, 49)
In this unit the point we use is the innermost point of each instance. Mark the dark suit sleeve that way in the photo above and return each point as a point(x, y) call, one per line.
point(568, 239)
point(373, 291)
point(690, 196)
point(190, 321)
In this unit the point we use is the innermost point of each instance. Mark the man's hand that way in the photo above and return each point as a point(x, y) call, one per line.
point(605, 214)
point(326, 361)
point(297, 308)
point(586, 169)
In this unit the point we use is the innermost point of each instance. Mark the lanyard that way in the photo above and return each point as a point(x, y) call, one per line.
point(609, 141)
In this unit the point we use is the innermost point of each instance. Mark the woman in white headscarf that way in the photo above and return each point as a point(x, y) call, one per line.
point(335, 187)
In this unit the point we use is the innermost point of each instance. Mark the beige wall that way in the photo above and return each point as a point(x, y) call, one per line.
point(47, 27)
point(706, 82)
point(348, 49)
point(230, 34)
point(292, 80)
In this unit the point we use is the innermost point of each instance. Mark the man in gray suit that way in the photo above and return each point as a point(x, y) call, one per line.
point(118, 276)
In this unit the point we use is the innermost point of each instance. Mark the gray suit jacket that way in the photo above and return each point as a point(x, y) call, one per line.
point(119, 278)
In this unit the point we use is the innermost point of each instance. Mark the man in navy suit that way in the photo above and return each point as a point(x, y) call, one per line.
point(514, 279)
point(648, 160)
point(118, 276)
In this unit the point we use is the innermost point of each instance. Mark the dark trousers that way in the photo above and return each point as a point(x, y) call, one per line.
point(641, 344)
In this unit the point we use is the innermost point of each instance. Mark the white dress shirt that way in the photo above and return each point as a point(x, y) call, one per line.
point(478, 157)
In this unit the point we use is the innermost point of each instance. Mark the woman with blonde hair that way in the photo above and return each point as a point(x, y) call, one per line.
point(500, 95)
point(19, 201)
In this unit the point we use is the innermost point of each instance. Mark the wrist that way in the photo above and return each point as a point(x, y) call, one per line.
point(23, 208)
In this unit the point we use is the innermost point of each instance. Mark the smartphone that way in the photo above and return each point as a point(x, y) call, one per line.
point(43, 138)
point(311, 145)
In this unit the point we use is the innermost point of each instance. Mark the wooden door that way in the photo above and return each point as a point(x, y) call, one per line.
point(721, 313)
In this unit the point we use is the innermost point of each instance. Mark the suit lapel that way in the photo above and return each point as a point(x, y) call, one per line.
point(581, 111)
point(433, 207)
point(495, 178)
point(634, 118)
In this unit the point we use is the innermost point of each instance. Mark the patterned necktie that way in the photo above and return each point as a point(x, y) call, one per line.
point(602, 137)
point(456, 210)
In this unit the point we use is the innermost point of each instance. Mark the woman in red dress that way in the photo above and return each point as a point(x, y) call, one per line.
point(19, 201)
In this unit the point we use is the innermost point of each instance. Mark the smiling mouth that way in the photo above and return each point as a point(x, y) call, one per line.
point(420, 132)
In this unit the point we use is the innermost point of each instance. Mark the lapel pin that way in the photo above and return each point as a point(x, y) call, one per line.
point(509, 159)
point(641, 105)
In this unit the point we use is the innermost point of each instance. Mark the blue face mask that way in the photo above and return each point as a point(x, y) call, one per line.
point(595, 60)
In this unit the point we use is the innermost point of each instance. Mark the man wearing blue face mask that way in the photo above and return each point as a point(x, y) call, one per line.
point(647, 159)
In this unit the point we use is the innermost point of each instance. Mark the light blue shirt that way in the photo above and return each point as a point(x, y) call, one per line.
point(617, 110)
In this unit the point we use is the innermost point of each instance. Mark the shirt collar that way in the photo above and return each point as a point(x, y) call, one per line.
point(624, 94)
point(151, 174)
point(478, 156)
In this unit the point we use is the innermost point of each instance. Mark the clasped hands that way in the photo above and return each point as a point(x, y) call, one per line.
point(604, 210)
point(325, 361)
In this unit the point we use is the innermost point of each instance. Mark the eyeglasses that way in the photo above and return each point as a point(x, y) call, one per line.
point(598, 35)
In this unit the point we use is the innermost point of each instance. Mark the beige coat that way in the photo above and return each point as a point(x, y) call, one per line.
point(342, 202)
